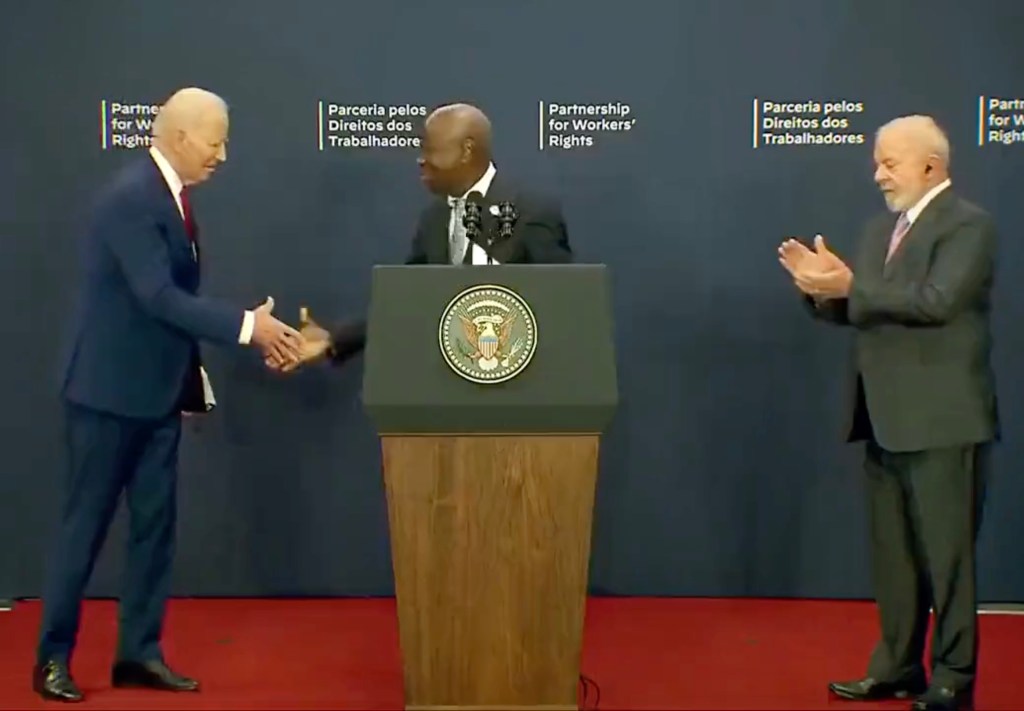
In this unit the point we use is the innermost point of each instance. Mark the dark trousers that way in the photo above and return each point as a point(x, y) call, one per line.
point(107, 455)
point(925, 512)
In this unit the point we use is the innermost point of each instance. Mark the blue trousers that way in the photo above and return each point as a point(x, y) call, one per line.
point(106, 455)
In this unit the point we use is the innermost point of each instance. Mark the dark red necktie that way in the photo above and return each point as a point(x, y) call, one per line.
point(190, 223)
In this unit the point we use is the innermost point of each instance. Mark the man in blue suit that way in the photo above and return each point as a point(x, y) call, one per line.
point(132, 369)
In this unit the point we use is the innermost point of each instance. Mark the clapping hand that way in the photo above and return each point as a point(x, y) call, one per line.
point(819, 273)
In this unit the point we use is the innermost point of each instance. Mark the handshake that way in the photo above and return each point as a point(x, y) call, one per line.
point(285, 348)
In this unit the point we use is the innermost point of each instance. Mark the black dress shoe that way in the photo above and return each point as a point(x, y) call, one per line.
point(869, 689)
point(53, 682)
point(943, 698)
point(150, 675)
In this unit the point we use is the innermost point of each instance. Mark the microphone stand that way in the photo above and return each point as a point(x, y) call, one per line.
point(472, 222)
point(506, 218)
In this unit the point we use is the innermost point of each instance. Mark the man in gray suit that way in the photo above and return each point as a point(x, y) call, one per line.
point(918, 298)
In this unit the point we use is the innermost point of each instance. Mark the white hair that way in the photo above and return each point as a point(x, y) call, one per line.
point(185, 107)
point(924, 131)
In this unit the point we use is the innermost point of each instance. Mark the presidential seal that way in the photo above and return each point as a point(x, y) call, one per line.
point(487, 334)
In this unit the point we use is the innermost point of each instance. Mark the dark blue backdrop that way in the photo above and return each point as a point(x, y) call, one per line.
point(723, 474)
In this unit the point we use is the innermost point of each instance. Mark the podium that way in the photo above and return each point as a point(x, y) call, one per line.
point(490, 387)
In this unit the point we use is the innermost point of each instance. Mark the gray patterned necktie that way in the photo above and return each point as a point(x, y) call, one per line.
point(457, 240)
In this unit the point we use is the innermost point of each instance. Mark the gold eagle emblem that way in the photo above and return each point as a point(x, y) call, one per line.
point(474, 329)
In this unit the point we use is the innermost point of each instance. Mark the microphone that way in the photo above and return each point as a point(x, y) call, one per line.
point(507, 217)
point(473, 220)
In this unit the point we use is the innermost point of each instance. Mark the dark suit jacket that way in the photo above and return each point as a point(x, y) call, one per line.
point(133, 343)
point(539, 236)
point(923, 341)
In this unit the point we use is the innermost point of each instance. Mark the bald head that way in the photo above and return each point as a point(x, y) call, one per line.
point(191, 131)
point(463, 122)
point(911, 158)
point(456, 148)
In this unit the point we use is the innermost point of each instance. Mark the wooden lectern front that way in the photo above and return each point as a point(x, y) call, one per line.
point(490, 388)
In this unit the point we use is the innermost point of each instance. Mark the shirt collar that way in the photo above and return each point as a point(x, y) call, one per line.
point(170, 176)
point(480, 186)
point(914, 212)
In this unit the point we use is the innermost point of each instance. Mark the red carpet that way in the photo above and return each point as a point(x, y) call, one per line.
point(644, 653)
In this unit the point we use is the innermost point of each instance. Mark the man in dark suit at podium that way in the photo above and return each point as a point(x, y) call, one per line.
point(132, 369)
point(456, 162)
point(456, 165)
point(919, 299)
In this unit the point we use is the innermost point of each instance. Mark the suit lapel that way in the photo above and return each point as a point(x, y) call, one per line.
point(437, 230)
point(499, 190)
point(168, 214)
point(882, 241)
point(919, 232)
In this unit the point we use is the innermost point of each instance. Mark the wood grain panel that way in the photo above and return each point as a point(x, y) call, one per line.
point(490, 542)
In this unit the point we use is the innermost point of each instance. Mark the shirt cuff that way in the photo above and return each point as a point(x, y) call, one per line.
point(208, 396)
point(248, 324)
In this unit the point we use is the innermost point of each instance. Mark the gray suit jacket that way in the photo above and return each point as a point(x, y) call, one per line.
point(923, 378)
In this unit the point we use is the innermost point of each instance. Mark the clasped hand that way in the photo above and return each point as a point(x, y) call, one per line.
point(284, 348)
point(315, 343)
point(819, 273)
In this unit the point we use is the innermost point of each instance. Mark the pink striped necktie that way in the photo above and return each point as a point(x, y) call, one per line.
point(898, 232)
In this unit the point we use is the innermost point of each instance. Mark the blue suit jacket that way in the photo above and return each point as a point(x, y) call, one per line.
point(133, 349)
